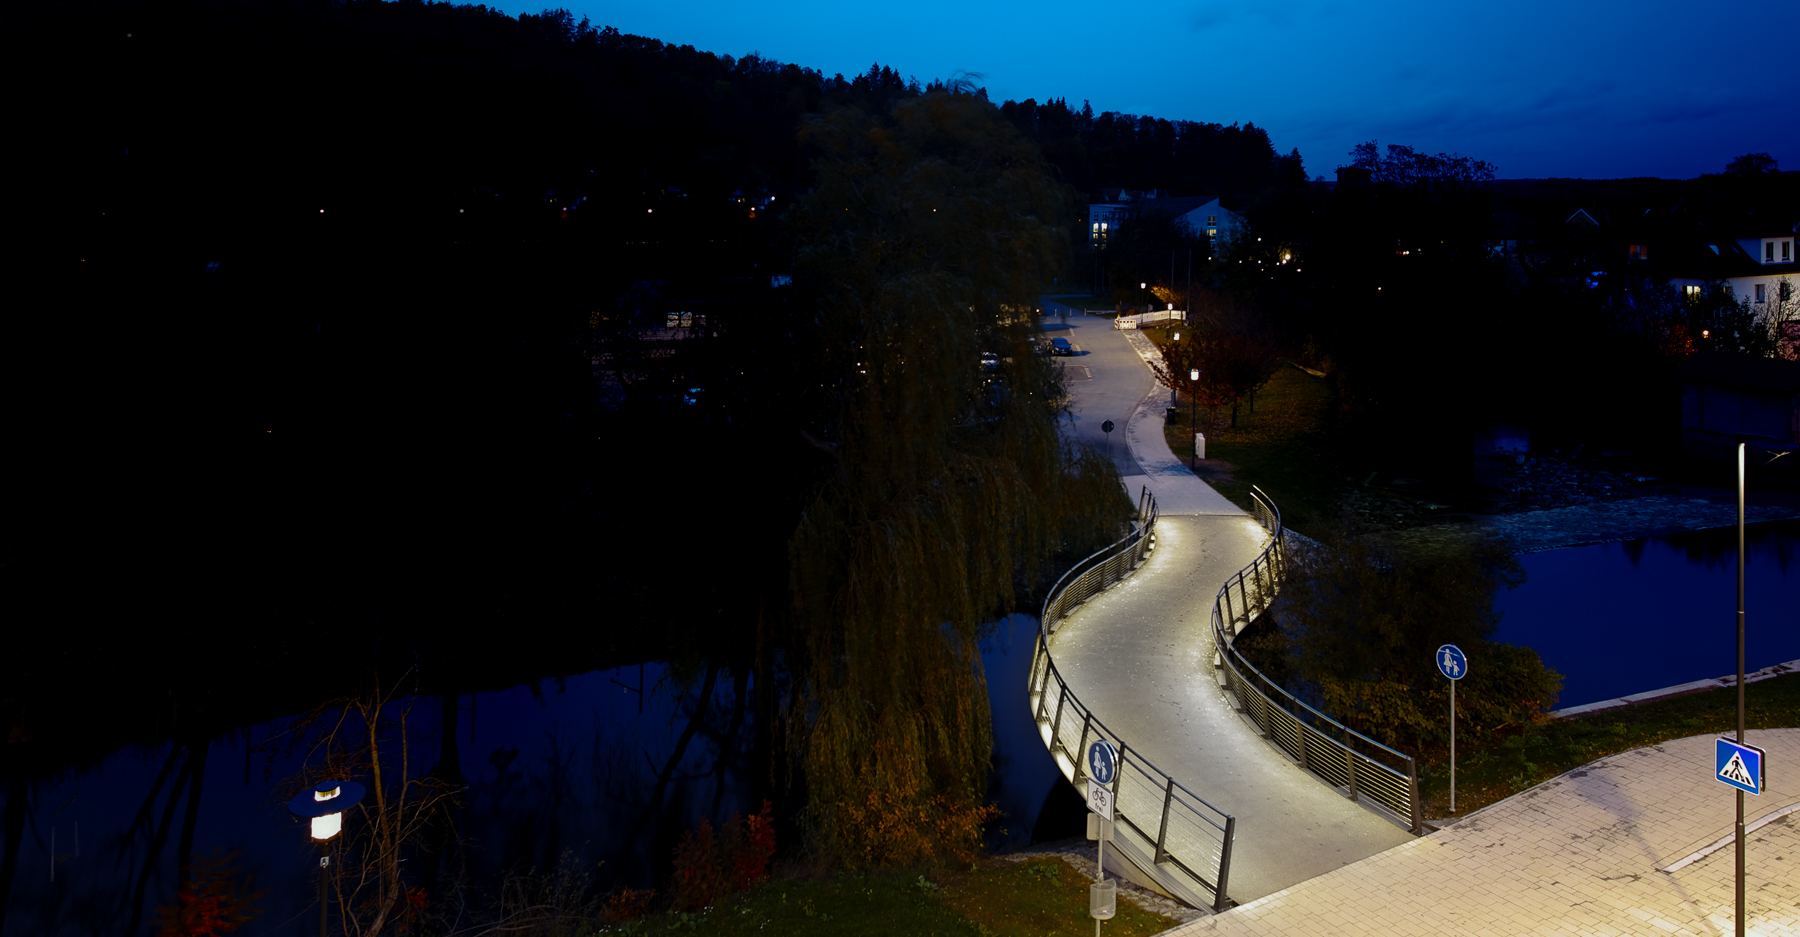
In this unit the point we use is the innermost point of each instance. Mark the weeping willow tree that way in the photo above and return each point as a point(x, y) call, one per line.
point(930, 233)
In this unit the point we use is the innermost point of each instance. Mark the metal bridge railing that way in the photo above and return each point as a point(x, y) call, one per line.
point(1163, 828)
point(1340, 756)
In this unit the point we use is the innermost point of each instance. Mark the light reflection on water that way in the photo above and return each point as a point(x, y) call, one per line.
point(1623, 618)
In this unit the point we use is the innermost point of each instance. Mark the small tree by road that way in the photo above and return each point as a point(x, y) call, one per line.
point(1234, 349)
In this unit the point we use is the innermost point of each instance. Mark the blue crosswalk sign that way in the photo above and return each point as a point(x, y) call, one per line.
point(1103, 761)
point(1451, 662)
point(1740, 766)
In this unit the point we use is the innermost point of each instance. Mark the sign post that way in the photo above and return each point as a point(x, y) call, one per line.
point(1454, 666)
point(1107, 428)
point(1103, 768)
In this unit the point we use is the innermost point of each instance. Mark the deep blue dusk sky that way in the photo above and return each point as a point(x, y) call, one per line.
point(1538, 87)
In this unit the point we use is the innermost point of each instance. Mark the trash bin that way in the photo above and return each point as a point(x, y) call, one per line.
point(1199, 445)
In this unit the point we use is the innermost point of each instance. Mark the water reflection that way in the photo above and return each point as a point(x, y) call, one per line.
point(1622, 618)
point(604, 770)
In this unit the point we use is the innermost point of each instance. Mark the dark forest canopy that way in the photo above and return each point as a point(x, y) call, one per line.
point(1142, 152)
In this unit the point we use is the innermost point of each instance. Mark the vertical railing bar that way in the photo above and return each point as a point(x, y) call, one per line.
point(1220, 902)
point(1162, 830)
point(1080, 757)
point(1412, 790)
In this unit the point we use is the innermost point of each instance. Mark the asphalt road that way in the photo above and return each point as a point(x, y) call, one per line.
point(1107, 380)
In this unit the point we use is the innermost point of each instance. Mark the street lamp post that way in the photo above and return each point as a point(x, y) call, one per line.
point(1780, 448)
point(1193, 389)
point(324, 804)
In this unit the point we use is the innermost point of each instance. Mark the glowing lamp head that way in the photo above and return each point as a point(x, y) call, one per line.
point(324, 804)
point(1178, 336)
point(327, 826)
point(1193, 374)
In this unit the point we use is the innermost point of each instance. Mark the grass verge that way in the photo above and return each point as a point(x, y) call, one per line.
point(1500, 768)
point(992, 898)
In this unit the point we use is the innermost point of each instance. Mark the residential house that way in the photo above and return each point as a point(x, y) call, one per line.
point(1201, 213)
point(1761, 269)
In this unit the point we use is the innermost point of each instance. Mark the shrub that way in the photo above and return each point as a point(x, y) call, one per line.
point(710, 866)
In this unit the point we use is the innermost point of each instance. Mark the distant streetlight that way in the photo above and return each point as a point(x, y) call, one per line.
point(324, 804)
point(1780, 448)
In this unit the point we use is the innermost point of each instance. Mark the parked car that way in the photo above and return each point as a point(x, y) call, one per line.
point(1061, 346)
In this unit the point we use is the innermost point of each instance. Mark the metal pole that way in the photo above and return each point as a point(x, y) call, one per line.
point(1193, 427)
point(1740, 679)
point(324, 866)
point(1453, 746)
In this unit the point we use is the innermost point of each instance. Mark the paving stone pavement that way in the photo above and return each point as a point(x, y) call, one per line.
point(1578, 854)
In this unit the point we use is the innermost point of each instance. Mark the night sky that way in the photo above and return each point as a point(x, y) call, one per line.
point(1538, 87)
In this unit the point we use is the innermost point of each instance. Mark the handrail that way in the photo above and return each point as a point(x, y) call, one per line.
point(1303, 735)
point(1190, 851)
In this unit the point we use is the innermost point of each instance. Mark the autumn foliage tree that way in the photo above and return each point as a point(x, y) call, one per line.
point(943, 488)
point(1233, 347)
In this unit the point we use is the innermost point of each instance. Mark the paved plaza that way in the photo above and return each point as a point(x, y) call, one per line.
point(1580, 854)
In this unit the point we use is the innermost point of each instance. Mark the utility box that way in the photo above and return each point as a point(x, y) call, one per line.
point(1199, 445)
point(1103, 900)
point(1099, 828)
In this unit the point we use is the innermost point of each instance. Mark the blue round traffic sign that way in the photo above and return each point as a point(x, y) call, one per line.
point(1451, 662)
point(1103, 761)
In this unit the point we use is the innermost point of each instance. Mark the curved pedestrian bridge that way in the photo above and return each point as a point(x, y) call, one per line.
point(1213, 813)
point(1139, 657)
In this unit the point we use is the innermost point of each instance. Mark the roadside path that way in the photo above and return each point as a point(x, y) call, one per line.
point(1140, 656)
point(1579, 854)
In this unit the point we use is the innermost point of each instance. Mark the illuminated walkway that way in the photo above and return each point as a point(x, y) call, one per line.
point(1140, 656)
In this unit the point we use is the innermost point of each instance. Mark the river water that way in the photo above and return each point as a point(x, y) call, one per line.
point(562, 773)
point(1623, 618)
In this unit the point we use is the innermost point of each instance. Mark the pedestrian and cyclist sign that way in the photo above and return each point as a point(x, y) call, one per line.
point(1451, 662)
point(1103, 761)
point(1740, 766)
point(1103, 766)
